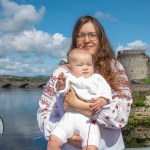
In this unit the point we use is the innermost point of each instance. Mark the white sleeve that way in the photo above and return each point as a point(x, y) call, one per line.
point(48, 114)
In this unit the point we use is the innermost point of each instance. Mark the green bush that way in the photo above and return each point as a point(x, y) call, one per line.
point(139, 103)
point(146, 80)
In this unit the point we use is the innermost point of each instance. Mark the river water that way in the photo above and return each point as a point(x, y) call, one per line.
point(18, 109)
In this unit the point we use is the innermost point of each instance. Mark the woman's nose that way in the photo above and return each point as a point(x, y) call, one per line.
point(86, 39)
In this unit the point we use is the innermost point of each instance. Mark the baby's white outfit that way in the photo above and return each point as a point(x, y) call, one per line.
point(75, 123)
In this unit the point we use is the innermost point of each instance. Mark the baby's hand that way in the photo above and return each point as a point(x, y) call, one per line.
point(98, 104)
point(60, 85)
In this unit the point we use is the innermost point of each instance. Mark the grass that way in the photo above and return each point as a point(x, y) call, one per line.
point(145, 80)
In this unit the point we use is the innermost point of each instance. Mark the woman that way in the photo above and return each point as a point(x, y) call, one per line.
point(89, 34)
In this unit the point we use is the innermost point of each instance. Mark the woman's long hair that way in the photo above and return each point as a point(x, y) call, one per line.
point(104, 55)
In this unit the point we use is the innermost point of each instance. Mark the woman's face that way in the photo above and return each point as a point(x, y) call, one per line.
point(87, 38)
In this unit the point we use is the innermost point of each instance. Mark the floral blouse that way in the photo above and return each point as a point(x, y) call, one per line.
point(114, 115)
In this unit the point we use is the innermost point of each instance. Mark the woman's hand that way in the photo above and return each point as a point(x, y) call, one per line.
point(73, 103)
point(75, 141)
point(70, 100)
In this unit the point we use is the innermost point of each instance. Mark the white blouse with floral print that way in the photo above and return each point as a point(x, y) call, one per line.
point(112, 118)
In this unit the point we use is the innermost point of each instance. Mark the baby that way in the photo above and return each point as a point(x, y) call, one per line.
point(88, 86)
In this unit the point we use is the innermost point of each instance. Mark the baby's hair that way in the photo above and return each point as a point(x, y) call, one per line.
point(77, 51)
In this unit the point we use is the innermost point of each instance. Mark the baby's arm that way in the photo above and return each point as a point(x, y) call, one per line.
point(104, 95)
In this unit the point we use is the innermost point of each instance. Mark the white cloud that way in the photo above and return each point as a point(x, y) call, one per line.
point(137, 45)
point(106, 16)
point(16, 18)
point(58, 38)
point(21, 35)
point(36, 42)
point(22, 45)
point(12, 67)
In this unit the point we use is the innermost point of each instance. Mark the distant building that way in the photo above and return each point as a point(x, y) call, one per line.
point(136, 63)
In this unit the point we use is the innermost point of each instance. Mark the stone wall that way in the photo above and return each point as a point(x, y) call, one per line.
point(136, 63)
point(140, 87)
point(142, 112)
point(142, 132)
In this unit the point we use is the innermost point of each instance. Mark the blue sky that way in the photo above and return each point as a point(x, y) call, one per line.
point(35, 34)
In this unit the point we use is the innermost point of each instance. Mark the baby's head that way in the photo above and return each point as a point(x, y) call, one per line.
point(80, 63)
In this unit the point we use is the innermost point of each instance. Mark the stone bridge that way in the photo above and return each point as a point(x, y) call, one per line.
point(23, 84)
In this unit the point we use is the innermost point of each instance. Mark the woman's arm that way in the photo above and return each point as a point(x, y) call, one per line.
point(116, 114)
point(73, 103)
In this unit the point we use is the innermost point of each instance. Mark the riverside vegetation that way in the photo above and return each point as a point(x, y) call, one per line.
point(18, 78)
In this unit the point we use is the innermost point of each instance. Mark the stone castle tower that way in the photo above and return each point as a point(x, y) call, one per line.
point(136, 63)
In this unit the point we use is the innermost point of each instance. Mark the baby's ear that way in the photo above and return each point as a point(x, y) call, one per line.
point(68, 66)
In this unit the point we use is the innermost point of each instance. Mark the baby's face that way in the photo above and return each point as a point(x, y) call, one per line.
point(82, 66)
